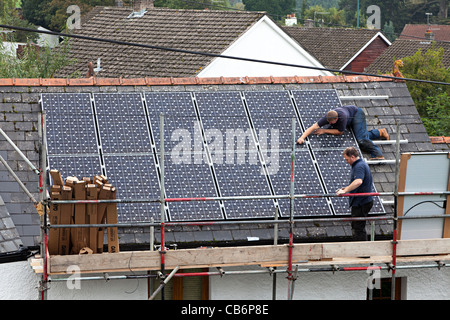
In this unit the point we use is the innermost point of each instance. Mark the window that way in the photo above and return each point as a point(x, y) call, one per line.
point(384, 290)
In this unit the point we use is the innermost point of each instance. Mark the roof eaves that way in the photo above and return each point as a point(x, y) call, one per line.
point(93, 81)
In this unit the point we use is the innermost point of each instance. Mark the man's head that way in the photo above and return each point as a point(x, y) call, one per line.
point(332, 117)
point(351, 155)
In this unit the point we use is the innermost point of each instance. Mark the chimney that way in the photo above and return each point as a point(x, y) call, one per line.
point(140, 5)
point(429, 35)
point(309, 23)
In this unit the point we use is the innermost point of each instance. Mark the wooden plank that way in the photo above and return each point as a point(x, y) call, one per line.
point(91, 213)
point(111, 218)
point(56, 177)
point(79, 236)
point(66, 218)
point(54, 216)
point(254, 255)
point(103, 194)
point(356, 249)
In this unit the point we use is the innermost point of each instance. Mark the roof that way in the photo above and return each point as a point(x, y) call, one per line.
point(417, 31)
point(405, 48)
point(334, 47)
point(210, 31)
point(22, 96)
point(9, 237)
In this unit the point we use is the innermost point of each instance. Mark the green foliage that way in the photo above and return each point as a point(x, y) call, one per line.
point(52, 14)
point(438, 110)
point(431, 100)
point(278, 9)
point(200, 4)
point(388, 31)
point(34, 62)
point(9, 16)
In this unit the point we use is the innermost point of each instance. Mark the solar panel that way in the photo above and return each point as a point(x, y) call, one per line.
point(79, 165)
point(235, 158)
point(134, 177)
point(122, 123)
point(70, 123)
point(187, 171)
point(71, 137)
point(211, 141)
point(271, 114)
point(127, 152)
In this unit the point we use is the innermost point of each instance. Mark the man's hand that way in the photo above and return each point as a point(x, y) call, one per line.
point(300, 140)
point(341, 191)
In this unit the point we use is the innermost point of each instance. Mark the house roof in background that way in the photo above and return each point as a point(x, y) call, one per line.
point(405, 48)
point(398, 108)
point(417, 32)
point(210, 31)
point(334, 47)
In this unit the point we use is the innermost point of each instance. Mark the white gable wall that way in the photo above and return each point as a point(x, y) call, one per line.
point(264, 41)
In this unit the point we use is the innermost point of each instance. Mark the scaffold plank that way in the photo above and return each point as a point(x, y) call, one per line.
point(277, 255)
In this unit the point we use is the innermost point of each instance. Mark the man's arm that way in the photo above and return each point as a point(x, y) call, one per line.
point(308, 131)
point(334, 132)
point(352, 186)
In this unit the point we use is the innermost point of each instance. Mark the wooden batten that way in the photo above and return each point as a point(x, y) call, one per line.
point(65, 241)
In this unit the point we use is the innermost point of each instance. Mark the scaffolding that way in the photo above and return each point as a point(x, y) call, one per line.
point(293, 267)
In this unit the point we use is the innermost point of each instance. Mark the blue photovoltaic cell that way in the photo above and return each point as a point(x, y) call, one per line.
point(128, 154)
point(236, 162)
point(187, 172)
point(134, 177)
point(70, 124)
point(122, 123)
point(272, 113)
point(327, 149)
point(79, 166)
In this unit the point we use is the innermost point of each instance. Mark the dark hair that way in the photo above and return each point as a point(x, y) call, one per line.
point(351, 151)
point(332, 115)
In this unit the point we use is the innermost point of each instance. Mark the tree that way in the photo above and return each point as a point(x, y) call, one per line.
point(276, 8)
point(52, 14)
point(431, 100)
point(388, 31)
point(390, 11)
point(34, 62)
point(199, 4)
point(10, 16)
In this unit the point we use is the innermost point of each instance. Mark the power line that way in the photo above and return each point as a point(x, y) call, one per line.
point(147, 46)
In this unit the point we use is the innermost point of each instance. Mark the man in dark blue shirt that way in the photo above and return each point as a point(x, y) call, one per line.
point(352, 117)
point(360, 182)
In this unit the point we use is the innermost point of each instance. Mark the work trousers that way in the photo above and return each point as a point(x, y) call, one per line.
point(365, 137)
point(359, 227)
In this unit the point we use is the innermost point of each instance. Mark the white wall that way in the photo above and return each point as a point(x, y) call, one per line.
point(264, 41)
point(420, 284)
point(19, 282)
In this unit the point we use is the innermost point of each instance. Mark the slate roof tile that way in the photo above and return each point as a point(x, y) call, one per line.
point(404, 48)
point(333, 47)
point(417, 31)
point(195, 30)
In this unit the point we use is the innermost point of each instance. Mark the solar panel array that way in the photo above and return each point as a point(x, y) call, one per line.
point(217, 144)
